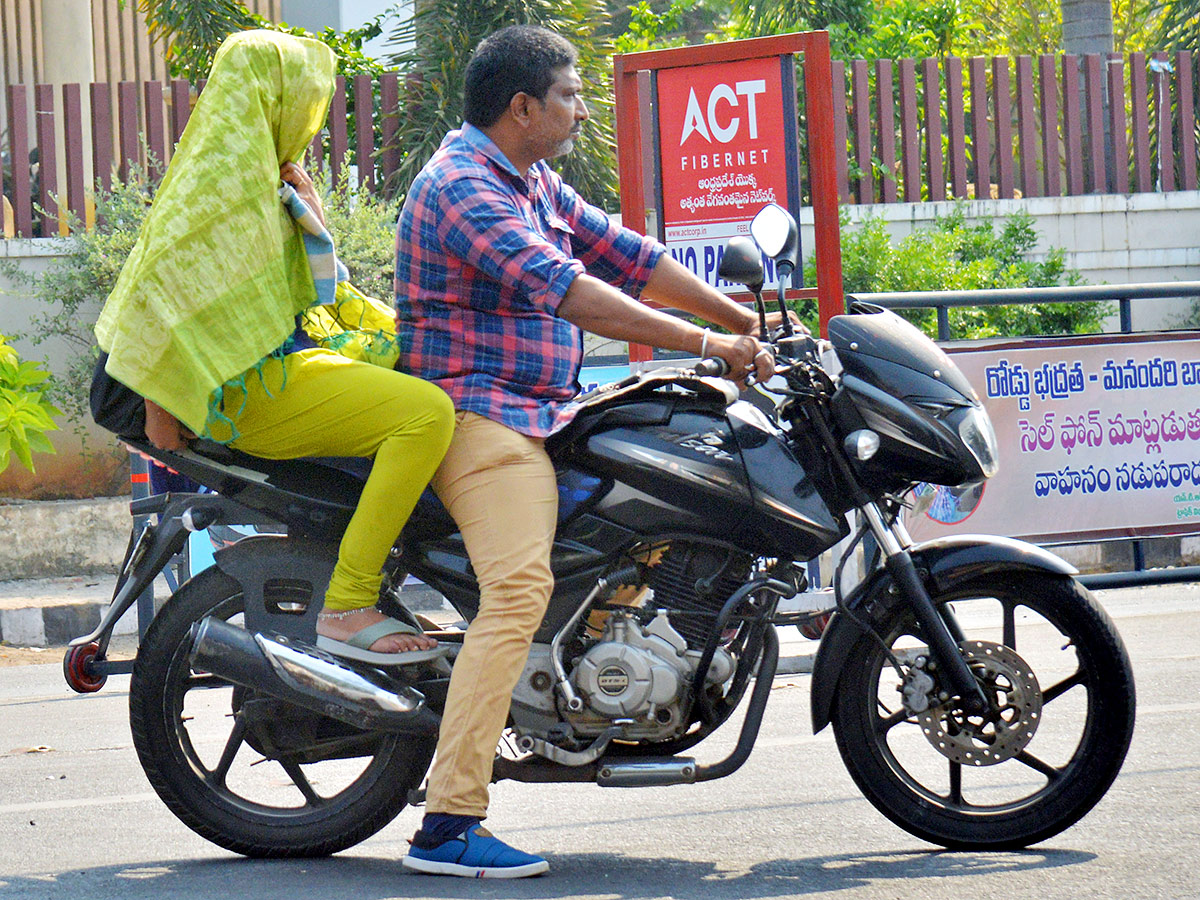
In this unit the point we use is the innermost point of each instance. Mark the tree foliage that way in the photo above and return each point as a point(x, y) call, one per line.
point(1179, 25)
point(74, 287)
point(650, 28)
point(895, 29)
point(957, 256)
point(1137, 25)
point(860, 29)
point(776, 16)
point(190, 31)
point(442, 35)
point(25, 414)
point(655, 24)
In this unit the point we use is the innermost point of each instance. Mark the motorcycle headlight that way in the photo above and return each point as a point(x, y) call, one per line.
point(975, 429)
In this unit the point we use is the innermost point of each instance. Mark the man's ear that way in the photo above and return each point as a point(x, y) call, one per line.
point(519, 107)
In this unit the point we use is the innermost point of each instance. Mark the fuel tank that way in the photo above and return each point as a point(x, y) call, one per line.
point(676, 464)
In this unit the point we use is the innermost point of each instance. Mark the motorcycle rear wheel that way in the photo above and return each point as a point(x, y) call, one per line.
point(208, 762)
point(1058, 735)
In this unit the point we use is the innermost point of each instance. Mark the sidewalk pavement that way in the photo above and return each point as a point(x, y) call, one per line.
point(50, 612)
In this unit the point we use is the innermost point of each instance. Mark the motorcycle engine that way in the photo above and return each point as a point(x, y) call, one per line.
point(638, 663)
point(640, 672)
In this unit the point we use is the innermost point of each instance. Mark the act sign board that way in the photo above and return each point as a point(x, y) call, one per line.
point(727, 146)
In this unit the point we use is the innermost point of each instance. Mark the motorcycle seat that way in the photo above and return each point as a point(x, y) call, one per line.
point(647, 398)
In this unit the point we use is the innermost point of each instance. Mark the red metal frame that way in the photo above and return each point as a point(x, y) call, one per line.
point(822, 160)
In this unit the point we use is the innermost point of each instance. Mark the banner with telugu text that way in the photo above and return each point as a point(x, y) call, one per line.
point(1099, 438)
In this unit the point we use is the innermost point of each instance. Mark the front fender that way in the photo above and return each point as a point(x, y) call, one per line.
point(946, 564)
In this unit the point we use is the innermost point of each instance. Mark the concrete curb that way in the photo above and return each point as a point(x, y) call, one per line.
point(53, 626)
point(54, 611)
point(47, 612)
point(57, 538)
point(802, 664)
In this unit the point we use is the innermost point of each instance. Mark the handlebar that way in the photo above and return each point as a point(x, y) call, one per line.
point(797, 346)
point(713, 367)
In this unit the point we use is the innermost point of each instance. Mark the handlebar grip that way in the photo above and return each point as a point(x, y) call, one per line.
point(713, 367)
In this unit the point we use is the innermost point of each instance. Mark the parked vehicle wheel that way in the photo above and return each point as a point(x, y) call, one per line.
point(253, 774)
point(1062, 702)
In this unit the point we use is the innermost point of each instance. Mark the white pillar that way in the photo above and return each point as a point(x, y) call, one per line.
point(68, 58)
point(67, 41)
point(1087, 26)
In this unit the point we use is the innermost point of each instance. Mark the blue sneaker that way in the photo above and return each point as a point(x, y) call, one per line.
point(475, 853)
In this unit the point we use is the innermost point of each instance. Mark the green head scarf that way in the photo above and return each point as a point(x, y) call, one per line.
point(219, 270)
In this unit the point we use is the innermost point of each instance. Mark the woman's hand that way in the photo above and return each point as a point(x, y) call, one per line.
point(300, 180)
point(164, 430)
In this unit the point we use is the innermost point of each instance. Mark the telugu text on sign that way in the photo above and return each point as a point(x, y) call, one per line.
point(723, 154)
point(1097, 439)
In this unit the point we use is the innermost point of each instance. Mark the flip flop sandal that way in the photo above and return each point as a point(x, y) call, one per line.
point(356, 647)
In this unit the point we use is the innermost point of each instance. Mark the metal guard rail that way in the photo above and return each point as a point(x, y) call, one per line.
point(942, 301)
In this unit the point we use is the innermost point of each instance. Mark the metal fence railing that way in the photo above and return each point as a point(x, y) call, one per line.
point(904, 130)
point(944, 301)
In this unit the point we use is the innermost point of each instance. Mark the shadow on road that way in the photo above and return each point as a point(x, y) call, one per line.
point(348, 877)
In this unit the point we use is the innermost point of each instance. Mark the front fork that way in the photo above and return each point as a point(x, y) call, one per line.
point(893, 541)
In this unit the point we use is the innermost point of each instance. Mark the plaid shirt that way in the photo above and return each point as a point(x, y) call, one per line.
point(484, 256)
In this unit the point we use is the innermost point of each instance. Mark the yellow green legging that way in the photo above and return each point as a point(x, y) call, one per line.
point(334, 406)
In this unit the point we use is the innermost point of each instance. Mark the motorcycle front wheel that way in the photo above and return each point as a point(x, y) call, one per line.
point(1061, 716)
point(254, 775)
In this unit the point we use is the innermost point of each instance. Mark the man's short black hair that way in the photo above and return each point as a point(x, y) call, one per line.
point(516, 59)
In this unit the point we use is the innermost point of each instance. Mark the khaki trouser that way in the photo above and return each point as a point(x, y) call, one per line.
point(319, 403)
point(499, 485)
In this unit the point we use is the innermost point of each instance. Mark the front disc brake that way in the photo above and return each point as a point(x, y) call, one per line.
point(1014, 710)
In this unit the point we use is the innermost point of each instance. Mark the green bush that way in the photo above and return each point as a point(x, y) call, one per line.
point(74, 287)
point(25, 414)
point(956, 256)
point(363, 226)
point(442, 35)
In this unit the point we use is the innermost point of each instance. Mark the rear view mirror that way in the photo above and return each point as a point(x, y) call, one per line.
point(742, 263)
point(776, 232)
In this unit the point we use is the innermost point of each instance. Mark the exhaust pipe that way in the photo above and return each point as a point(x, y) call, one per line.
point(646, 772)
point(307, 677)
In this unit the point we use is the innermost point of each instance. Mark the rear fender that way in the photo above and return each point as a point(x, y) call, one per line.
point(947, 564)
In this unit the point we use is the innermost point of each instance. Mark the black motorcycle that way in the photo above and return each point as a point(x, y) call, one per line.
point(980, 697)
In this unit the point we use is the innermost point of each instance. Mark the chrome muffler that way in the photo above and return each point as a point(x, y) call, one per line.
point(308, 677)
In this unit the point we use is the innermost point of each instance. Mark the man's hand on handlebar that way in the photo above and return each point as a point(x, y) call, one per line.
point(164, 430)
point(744, 355)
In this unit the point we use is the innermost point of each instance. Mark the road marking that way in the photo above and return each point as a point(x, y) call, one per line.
point(79, 803)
